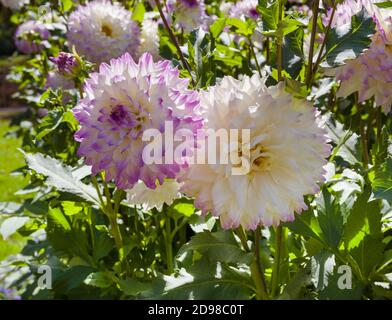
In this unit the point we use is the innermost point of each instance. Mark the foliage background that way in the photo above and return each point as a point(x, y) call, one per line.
point(51, 214)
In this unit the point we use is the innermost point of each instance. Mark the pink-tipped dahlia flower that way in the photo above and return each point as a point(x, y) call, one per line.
point(245, 8)
point(123, 100)
point(287, 151)
point(29, 35)
point(101, 30)
point(370, 74)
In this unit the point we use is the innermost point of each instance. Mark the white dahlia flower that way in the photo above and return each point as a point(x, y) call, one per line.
point(149, 38)
point(14, 4)
point(101, 30)
point(149, 198)
point(287, 151)
point(189, 14)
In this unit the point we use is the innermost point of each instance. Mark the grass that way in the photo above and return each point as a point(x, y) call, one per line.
point(10, 159)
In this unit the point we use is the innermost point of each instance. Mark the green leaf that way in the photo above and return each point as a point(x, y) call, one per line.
point(184, 209)
point(218, 246)
point(241, 27)
point(269, 10)
point(348, 185)
point(333, 292)
point(330, 218)
point(348, 41)
point(100, 279)
point(9, 207)
point(71, 208)
point(292, 54)
point(364, 219)
point(66, 5)
point(382, 182)
point(50, 123)
point(56, 217)
point(13, 245)
point(305, 224)
point(201, 57)
point(36, 207)
point(132, 287)
point(385, 4)
point(60, 176)
point(288, 25)
point(103, 245)
point(204, 280)
point(296, 88)
point(11, 225)
point(71, 278)
point(368, 255)
point(70, 119)
point(322, 267)
point(138, 12)
point(217, 27)
point(296, 287)
point(67, 235)
point(347, 142)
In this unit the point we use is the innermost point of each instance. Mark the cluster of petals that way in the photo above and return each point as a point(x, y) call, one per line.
point(147, 198)
point(29, 36)
point(189, 14)
point(244, 8)
point(121, 102)
point(149, 37)
point(100, 30)
point(370, 74)
point(287, 151)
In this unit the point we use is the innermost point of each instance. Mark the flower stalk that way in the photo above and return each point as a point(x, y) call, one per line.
point(320, 54)
point(174, 40)
point(279, 49)
point(309, 76)
point(256, 268)
point(280, 236)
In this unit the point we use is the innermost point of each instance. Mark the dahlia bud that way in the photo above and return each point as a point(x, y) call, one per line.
point(67, 64)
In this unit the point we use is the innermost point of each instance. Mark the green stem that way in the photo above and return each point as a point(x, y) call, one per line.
point(279, 44)
point(168, 245)
point(312, 40)
point(320, 54)
point(179, 227)
point(364, 144)
point(261, 283)
point(267, 49)
point(256, 268)
point(241, 234)
point(252, 49)
point(280, 237)
point(95, 182)
point(379, 124)
point(174, 40)
point(112, 216)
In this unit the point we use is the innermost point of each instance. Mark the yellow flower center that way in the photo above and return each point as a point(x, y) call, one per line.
point(106, 30)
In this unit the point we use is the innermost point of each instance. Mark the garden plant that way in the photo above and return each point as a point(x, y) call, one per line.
point(196, 149)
